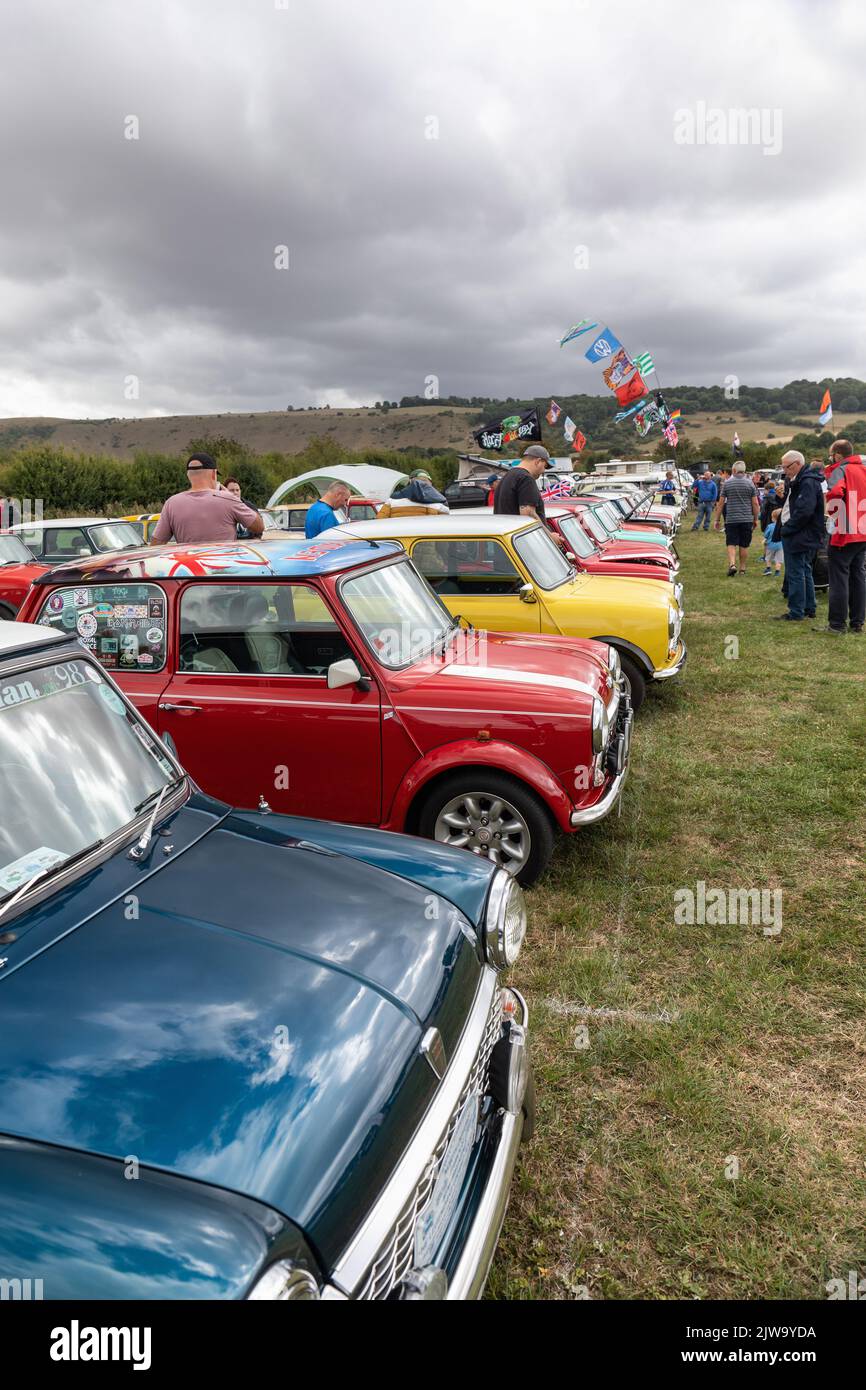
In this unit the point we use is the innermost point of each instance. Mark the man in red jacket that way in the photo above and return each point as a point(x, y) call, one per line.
point(846, 553)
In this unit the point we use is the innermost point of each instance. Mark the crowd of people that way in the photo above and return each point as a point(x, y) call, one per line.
point(812, 504)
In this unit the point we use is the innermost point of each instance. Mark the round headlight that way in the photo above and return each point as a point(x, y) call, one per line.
point(672, 622)
point(284, 1282)
point(505, 923)
point(614, 662)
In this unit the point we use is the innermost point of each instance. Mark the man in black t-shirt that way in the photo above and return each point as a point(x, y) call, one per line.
point(517, 493)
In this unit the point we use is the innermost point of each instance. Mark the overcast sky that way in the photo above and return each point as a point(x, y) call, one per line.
point(456, 181)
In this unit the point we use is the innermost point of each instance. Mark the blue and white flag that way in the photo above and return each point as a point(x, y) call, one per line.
point(605, 344)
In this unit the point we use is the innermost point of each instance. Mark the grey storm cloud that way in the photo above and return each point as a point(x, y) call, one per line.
point(457, 181)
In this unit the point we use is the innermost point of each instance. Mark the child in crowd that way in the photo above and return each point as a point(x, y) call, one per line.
point(773, 548)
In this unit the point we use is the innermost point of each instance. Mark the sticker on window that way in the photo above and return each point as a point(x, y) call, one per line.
point(28, 866)
point(123, 625)
point(113, 700)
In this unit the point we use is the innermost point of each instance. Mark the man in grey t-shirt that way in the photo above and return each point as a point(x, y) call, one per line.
point(739, 497)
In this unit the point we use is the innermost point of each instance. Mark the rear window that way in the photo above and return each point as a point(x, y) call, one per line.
point(124, 625)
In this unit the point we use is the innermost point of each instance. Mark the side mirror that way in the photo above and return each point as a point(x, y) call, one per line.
point(527, 594)
point(342, 673)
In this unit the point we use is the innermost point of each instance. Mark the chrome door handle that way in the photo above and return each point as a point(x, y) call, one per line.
point(181, 709)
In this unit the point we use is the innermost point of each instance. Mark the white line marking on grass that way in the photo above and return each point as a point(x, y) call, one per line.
point(564, 1006)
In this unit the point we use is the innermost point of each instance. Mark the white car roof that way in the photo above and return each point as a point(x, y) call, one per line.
point(465, 522)
point(16, 635)
point(64, 521)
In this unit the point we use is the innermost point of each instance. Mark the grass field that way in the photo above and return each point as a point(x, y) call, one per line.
point(671, 1057)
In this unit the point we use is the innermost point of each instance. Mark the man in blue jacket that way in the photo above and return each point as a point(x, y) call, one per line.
point(706, 493)
point(803, 529)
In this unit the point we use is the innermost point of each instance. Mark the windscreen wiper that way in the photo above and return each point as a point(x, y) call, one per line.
point(140, 848)
point(49, 873)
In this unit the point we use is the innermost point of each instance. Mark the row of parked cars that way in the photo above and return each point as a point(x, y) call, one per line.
point(293, 1029)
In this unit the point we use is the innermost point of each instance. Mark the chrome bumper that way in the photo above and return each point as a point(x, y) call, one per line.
point(590, 815)
point(470, 1274)
point(665, 673)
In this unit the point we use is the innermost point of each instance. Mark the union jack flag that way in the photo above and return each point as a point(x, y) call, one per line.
point(556, 487)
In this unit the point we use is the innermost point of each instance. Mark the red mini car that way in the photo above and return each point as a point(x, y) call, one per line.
point(610, 550)
point(585, 553)
point(325, 679)
point(18, 569)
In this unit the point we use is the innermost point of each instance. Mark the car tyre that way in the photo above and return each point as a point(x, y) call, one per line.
point(494, 786)
point(636, 679)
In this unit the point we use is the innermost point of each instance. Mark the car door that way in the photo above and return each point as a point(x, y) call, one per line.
point(248, 706)
point(478, 579)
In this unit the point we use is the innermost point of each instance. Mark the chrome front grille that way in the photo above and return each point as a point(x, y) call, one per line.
point(395, 1256)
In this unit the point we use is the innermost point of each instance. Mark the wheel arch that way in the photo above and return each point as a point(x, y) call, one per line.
point(506, 759)
point(637, 653)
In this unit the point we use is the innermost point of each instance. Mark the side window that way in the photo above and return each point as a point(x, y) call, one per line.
point(467, 567)
point(258, 630)
point(122, 624)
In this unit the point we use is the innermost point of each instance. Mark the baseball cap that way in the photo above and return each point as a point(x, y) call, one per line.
point(196, 461)
point(537, 451)
point(421, 473)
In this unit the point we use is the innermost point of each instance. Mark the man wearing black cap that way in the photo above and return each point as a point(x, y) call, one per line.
point(517, 493)
point(203, 513)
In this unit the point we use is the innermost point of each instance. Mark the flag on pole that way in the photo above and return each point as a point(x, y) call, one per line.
point(631, 390)
point(620, 367)
point(578, 442)
point(675, 414)
point(556, 487)
point(826, 414)
point(670, 433)
point(624, 414)
point(553, 413)
point(604, 345)
point(568, 428)
point(644, 363)
point(583, 327)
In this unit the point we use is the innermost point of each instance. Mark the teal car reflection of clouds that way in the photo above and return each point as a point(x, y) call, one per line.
point(244, 1055)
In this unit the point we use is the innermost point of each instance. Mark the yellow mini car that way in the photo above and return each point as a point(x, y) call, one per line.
point(506, 574)
point(144, 523)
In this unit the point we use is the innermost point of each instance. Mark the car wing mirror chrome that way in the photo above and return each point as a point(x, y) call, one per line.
point(346, 672)
point(527, 594)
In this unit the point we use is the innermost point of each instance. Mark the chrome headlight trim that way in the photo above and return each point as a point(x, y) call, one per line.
point(505, 921)
point(614, 662)
point(285, 1282)
point(600, 726)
